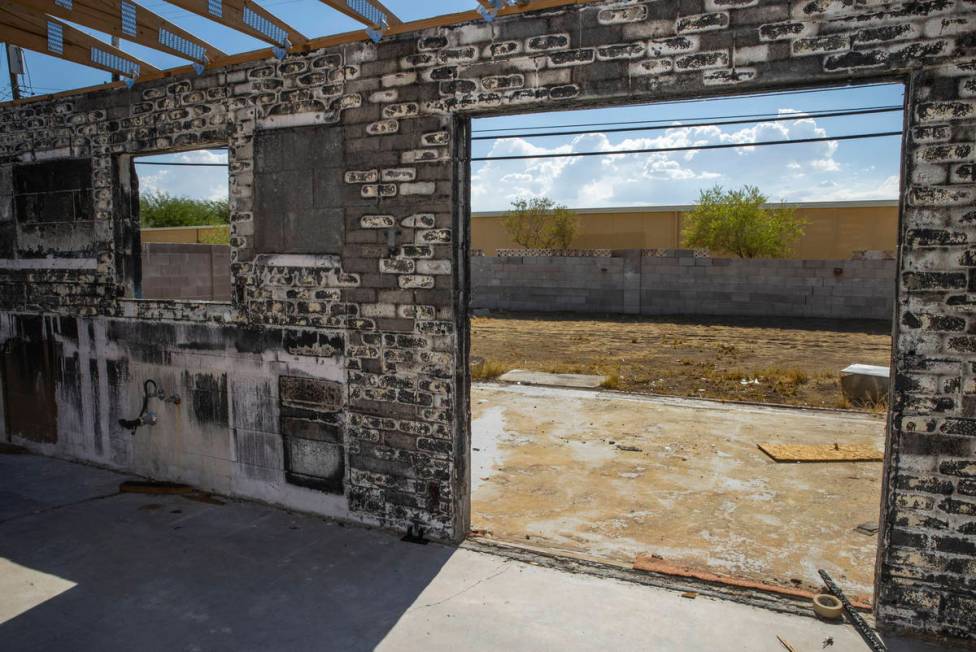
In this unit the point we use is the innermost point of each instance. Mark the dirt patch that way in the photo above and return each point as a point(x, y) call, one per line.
point(792, 362)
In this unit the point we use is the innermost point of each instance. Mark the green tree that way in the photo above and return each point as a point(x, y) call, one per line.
point(541, 223)
point(739, 223)
point(158, 209)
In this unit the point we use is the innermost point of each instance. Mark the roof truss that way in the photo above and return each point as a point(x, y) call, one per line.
point(368, 12)
point(39, 32)
point(148, 28)
point(248, 17)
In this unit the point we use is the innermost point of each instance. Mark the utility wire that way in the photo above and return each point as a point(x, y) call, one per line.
point(718, 99)
point(189, 165)
point(780, 118)
point(798, 114)
point(688, 148)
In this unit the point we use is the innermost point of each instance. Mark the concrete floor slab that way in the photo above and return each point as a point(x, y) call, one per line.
point(614, 476)
point(523, 377)
point(132, 572)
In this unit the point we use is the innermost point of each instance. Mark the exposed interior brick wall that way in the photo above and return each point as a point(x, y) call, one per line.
point(384, 317)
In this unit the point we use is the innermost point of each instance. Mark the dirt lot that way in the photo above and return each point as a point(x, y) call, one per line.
point(794, 362)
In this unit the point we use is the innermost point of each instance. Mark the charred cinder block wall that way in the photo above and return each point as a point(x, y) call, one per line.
point(335, 380)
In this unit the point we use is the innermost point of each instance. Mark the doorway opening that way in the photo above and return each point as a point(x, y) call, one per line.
point(680, 324)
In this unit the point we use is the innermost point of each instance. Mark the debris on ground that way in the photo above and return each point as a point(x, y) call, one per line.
point(691, 595)
point(629, 449)
point(867, 634)
point(869, 527)
point(151, 487)
point(828, 642)
point(822, 452)
point(785, 644)
point(827, 606)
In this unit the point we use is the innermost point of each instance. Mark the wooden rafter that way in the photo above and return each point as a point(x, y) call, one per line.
point(324, 42)
point(390, 16)
point(28, 28)
point(232, 15)
point(342, 7)
point(105, 16)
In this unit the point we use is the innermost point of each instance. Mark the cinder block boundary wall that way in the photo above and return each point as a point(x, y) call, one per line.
point(337, 382)
point(186, 271)
point(679, 282)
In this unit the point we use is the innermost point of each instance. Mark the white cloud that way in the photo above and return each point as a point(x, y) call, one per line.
point(791, 172)
point(825, 165)
point(203, 156)
point(862, 190)
point(183, 181)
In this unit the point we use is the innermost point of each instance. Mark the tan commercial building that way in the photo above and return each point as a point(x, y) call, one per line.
point(834, 229)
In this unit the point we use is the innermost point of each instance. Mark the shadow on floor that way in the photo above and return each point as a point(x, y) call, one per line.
point(85, 568)
point(166, 573)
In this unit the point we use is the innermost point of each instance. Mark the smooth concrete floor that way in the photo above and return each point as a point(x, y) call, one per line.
point(83, 567)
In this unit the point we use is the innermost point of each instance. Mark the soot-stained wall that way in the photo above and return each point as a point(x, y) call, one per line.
point(336, 379)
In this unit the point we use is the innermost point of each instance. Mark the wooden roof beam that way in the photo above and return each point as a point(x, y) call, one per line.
point(36, 31)
point(149, 29)
point(248, 17)
point(320, 42)
point(365, 18)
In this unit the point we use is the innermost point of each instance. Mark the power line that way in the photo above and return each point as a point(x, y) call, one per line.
point(189, 165)
point(812, 114)
point(688, 148)
point(779, 118)
point(700, 100)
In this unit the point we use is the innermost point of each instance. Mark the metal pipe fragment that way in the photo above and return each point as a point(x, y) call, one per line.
point(869, 635)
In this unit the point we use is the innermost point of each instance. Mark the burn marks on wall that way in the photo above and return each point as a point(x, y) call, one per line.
point(311, 430)
point(298, 181)
point(54, 208)
point(30, 376)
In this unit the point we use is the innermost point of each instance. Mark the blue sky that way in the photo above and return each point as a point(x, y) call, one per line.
point(831, 171)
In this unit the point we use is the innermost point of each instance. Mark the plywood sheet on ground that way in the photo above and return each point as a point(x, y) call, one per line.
point(822, 452)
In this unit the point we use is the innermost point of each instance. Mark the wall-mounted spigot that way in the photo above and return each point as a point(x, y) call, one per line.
point(146, 416)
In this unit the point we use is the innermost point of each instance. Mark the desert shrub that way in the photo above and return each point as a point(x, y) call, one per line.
point(541, 223)
point(738, 222)
point(159, 209)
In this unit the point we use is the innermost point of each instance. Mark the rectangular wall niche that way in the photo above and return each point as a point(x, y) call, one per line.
point(298, 191)
point(54, 208)
point(311, 429)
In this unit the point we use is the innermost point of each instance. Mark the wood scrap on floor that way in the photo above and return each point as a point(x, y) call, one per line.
point(822, 452)
point(786, 644)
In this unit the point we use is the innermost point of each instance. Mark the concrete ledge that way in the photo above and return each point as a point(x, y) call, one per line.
point(524, 377)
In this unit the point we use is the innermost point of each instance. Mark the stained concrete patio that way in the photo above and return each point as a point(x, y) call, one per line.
point(83, 567)
point(614, 476)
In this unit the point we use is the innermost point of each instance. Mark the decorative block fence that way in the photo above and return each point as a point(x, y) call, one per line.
point(193, 272)
point(679, 282)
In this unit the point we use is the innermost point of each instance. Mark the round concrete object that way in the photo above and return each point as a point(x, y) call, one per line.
point(827, 606)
